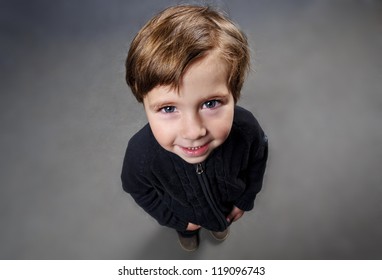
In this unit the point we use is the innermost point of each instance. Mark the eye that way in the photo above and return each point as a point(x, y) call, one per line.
point(210, 104)
point(168, 109)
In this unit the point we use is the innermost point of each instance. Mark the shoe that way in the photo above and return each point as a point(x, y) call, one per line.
point(189, 243)
point(220, 236)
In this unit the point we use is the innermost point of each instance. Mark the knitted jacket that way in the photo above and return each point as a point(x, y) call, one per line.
point(175, 192)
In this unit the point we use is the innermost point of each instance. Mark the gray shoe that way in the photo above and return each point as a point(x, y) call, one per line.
point(189, 243)
point(220, 236)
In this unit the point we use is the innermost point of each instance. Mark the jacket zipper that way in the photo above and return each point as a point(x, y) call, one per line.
point(207, 192)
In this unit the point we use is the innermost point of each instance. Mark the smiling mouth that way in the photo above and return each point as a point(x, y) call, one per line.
point(195, 151)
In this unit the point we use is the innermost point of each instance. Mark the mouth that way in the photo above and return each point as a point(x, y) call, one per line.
point(196, 151)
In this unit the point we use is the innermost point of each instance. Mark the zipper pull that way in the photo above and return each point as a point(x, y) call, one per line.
point(199, 168)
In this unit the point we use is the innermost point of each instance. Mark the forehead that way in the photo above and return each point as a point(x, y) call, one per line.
point(209, 69)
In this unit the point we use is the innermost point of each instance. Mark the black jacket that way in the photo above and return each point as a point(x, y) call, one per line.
point(175, 192)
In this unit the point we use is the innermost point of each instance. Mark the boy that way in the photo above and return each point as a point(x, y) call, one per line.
point(200, 160)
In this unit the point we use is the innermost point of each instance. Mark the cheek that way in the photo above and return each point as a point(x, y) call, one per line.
point(222, 125)
point(164, 134)
point(222, 130)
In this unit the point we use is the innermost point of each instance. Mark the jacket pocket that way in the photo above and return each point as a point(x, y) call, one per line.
point(181, 209)
point(231, 188)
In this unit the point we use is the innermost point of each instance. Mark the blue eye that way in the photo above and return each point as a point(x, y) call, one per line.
point(210, 104)
point(168, 109)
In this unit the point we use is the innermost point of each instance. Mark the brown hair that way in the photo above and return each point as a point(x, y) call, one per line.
point(176, 37)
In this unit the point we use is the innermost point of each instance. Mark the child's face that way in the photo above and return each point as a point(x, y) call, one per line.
point(193, 122)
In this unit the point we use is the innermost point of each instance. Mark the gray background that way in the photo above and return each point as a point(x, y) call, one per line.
point(66, 116)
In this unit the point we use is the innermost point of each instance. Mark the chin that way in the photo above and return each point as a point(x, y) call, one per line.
point(193, 160)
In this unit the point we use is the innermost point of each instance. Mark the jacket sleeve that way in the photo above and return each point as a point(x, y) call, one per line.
point(138, 185)
point(255, 173)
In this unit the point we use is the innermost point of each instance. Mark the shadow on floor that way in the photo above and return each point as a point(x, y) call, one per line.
point(163, 245)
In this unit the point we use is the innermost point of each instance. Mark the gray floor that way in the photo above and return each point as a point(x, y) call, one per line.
point(66, 116)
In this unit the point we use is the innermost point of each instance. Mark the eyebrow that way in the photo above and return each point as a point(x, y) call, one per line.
point(216, 95)
point(158, 105)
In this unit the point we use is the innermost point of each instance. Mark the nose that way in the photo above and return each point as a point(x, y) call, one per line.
point(192, 127)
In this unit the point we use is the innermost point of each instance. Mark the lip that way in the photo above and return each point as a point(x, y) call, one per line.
point(196, 151)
